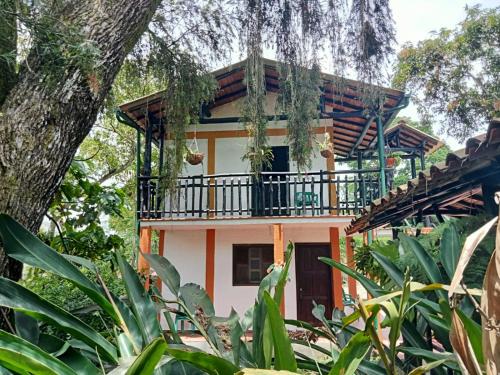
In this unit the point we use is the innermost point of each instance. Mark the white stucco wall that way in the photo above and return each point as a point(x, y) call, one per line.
point(186, 250)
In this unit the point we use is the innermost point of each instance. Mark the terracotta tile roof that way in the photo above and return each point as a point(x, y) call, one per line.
point(232, 86)
point(412, 137)
point(453, 187)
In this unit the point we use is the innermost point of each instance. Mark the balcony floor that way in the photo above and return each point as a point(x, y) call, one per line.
point(228, 222)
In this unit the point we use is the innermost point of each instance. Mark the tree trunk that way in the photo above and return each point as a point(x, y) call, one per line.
point(41, 126)
point(8, 51)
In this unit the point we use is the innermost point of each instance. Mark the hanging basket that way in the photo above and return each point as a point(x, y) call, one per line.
point(194, 158)
point(327, 152)
point(390, 162)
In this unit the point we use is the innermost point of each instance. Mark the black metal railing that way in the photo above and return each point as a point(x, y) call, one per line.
point(273, 194)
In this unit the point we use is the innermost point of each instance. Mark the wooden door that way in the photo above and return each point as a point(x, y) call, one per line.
point(265, 201)
point(314, 280)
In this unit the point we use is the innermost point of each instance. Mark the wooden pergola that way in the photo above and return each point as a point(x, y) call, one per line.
point(462, 185)
point(356, 129)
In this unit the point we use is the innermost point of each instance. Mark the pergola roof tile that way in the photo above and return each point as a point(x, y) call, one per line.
point(232, 86)
point(452, 187)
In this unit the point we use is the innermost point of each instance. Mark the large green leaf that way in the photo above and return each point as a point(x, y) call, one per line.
point(368, 284)
point(16, 297)
point(431, 356)
point(427, 367)
point(254, 371)
point(280, 285)
point(429, 266)
point(140, 302)
point(389, 267)
point(351, 356)
point(22, 245)
point(475, 335)
point(146, 362)
point(261, 336)
point(407, 328)
point(67, 354)
point(165, 271)
point(195, 297)
point(284, 358)
point(211, 364)
point(450, 250)
point(26, 327)
point(23, 357)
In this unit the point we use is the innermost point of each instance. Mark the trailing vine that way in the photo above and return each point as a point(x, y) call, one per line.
point(299, 98)
point(187, 84)
point(254, 113)
point(360, 34)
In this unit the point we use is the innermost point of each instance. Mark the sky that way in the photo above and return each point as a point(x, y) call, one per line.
point(416, 19)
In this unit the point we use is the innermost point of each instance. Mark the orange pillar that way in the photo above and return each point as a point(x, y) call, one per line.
point(145, 247)
point(351, 283)
point(279, 254)
point(210, 263)
point(336, 274)
point(161, 247)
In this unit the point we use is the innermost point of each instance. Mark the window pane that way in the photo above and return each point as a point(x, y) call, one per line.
point(255, 276)
point(250, 263)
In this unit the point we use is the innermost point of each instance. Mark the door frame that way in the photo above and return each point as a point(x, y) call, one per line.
point(330, 277)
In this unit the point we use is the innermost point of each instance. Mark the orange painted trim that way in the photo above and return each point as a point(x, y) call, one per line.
point(210, 263)
point(161, 248)
point(336, 274)
point(273, 132)
point(351, 283)
point(145, 247)
point(279, 254)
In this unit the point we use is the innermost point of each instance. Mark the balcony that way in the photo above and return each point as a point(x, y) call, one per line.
point(242, 195)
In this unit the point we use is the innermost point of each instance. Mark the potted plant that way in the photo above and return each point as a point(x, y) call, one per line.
point(194, 156)
point(326, 147)
point(392, 160)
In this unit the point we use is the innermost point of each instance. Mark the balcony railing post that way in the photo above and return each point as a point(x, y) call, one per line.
point(321, 210)
point(271, 195)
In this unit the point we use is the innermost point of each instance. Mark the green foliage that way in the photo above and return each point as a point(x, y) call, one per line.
point(406, 305)
point(299, 98)
point(437, 246)
point(432, 243)
point(76, 214)
point(366, 264)
point(67, 296)
point(456, 73)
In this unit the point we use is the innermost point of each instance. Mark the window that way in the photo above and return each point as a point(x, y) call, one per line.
point(250, 263)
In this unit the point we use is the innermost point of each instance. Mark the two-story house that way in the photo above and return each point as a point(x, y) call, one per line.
point(224, 227)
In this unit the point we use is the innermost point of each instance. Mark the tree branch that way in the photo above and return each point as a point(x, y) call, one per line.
point(115, 171)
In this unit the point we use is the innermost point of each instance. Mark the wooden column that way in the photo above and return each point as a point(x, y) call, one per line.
point(145, 247)
point(336, 274)
point(210, 263)
point(279, 254)
point(161, 247)
point(351, 283)
point(211, 170)
point(330, 166)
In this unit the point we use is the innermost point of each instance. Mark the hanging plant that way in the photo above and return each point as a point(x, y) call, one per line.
point(187, 84)
point(392, 160)
point(360, 38)
point(254, 116)
point(299, 98)
point(326, 147)
point(193, 155)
